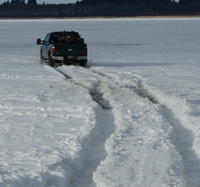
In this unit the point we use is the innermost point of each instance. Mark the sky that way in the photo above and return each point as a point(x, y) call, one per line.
point(48, 1)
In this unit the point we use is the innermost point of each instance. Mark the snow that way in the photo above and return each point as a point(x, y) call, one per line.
point(131, 118)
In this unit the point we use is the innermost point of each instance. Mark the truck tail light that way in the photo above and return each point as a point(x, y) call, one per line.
point(86, 49)
point(53, 50)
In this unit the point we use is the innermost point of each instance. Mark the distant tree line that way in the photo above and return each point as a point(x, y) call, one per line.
point(19, 8)
point(20, 2)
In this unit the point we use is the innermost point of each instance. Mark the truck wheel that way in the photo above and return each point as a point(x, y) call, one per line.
point(83, 64)
point(51, 62)
point(41, 58)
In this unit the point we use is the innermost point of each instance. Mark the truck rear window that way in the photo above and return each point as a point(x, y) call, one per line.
point(66, 38)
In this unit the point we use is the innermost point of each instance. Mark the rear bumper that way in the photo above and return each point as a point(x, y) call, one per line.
point(70, 58)
point(81, 58)
point(59, 58)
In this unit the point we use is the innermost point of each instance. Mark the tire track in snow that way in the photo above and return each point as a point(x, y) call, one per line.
point(183, 145)
point(95, 151)
point(184, 137)
point(140, 90)
point(184, 141)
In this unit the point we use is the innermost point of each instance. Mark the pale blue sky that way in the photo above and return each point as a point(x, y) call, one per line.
point(48, 1)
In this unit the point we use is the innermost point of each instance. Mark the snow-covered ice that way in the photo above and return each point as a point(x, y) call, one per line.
point(131, 118)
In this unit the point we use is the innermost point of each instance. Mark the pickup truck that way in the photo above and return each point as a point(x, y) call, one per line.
point(63, 48)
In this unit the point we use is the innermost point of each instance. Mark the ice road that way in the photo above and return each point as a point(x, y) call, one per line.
point(130, 119)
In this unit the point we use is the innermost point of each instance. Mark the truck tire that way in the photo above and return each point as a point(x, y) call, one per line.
point(51, 62)
point(41, 58)
point(83, 64)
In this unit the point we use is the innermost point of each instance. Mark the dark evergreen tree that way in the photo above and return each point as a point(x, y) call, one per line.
point(17, 2)
point(188, 1)
point(6, 3)
point(100, 8)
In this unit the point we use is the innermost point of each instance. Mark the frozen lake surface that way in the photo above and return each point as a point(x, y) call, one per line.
point(131, 118)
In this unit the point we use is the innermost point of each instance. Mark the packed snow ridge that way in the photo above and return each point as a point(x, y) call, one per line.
point(94, 92)
point(191, 161)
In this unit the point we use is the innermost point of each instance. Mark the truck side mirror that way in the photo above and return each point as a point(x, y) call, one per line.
point(38, 41)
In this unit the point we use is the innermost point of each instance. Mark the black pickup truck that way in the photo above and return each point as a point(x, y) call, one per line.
point(63, 47)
